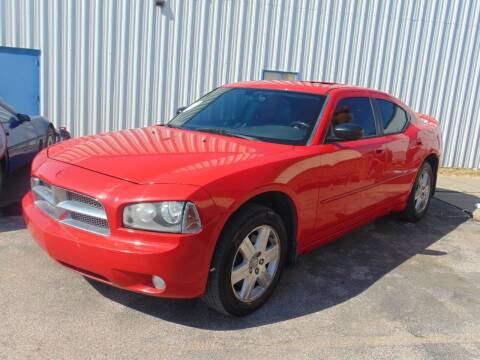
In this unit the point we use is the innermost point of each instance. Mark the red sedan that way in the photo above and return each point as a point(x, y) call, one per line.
point(218, 201)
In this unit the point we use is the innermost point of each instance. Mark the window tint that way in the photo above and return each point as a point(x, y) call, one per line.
point(285, 117)
point(393, 117)
point(358, 111)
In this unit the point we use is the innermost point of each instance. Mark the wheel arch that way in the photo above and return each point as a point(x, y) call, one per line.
point(434, 161)
point(284, 206)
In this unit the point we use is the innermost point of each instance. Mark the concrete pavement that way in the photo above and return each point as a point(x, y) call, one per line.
point(460, 191)
point(388, 290)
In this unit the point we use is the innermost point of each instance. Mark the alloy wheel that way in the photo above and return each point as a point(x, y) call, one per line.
point(423, 190)
point(255, 263)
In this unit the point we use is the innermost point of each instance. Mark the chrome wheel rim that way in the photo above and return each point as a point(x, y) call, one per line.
point(422, 191)
point(50, 140)
point(255, 263)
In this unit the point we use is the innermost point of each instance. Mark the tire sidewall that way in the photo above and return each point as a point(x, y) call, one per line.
point(235, 235)
point(428, 168)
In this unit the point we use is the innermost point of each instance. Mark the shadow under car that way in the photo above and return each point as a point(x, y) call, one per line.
point(323, 278)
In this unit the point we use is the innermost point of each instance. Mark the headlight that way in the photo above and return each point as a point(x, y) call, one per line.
point(164, 216)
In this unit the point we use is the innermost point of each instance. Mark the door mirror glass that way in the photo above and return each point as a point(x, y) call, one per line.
point(348, 131)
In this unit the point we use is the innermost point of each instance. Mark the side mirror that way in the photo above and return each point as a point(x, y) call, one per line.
point(23, 117)
point(180, 109)
point(348, 131)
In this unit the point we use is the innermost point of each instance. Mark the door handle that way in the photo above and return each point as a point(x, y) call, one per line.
point(379, 151)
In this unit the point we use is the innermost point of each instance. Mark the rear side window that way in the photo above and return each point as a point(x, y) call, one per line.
point(356, 110)
point(394, 118)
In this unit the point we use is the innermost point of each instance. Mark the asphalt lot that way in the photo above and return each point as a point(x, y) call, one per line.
point(388, 290)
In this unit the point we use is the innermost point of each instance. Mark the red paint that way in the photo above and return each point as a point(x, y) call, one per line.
point(334, 187)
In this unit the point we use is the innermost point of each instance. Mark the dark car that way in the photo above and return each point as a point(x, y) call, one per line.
point(21, 138)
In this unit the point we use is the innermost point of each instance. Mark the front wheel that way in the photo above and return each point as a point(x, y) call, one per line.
point(248, 261)
point(420, 195)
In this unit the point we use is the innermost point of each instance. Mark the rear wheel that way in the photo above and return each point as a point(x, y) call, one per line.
point(248, 261)
point(420, 195)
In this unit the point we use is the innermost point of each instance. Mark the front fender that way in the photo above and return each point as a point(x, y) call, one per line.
point(273, 187)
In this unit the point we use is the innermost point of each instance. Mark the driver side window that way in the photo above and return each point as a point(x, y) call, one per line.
point(356, 110)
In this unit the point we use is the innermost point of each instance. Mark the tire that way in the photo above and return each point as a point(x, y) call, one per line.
point(1, 178)
point(238, 296)
point(421, 194)
point(50, 137)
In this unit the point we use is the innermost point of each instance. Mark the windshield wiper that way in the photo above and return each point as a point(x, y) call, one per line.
point(223, 132)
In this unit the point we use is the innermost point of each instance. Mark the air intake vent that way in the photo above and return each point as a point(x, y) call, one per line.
point(70, 208)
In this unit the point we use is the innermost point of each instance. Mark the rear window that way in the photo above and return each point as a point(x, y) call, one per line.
point(394, 118)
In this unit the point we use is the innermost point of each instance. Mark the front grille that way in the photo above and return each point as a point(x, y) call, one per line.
point(84, 199)
point(71, 208)
point(87, 219)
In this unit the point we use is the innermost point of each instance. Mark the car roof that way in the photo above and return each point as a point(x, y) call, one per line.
point(315, 87)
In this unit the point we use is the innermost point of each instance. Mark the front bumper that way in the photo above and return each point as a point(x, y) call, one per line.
point(127, 260)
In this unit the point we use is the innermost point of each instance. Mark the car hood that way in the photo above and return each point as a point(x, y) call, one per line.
point(159, 154)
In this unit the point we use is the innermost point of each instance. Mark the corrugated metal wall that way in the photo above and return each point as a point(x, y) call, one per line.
point(112, 64)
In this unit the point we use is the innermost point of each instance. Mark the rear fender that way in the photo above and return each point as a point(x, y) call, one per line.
point(428, 118)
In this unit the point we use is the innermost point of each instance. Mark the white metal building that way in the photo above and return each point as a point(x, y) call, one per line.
point(112, 64)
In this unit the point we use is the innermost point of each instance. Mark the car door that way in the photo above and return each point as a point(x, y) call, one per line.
point(351, 170)
point(22, 139)
point(394, 121)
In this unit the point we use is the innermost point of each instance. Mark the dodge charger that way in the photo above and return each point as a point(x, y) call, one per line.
point(216, 202)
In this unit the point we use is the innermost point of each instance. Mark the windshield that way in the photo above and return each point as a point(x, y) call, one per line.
point(284, 117)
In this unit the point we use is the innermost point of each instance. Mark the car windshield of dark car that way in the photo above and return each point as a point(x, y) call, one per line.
point(285, 117)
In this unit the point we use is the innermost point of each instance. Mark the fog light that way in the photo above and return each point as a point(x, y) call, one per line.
point(158, 282)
